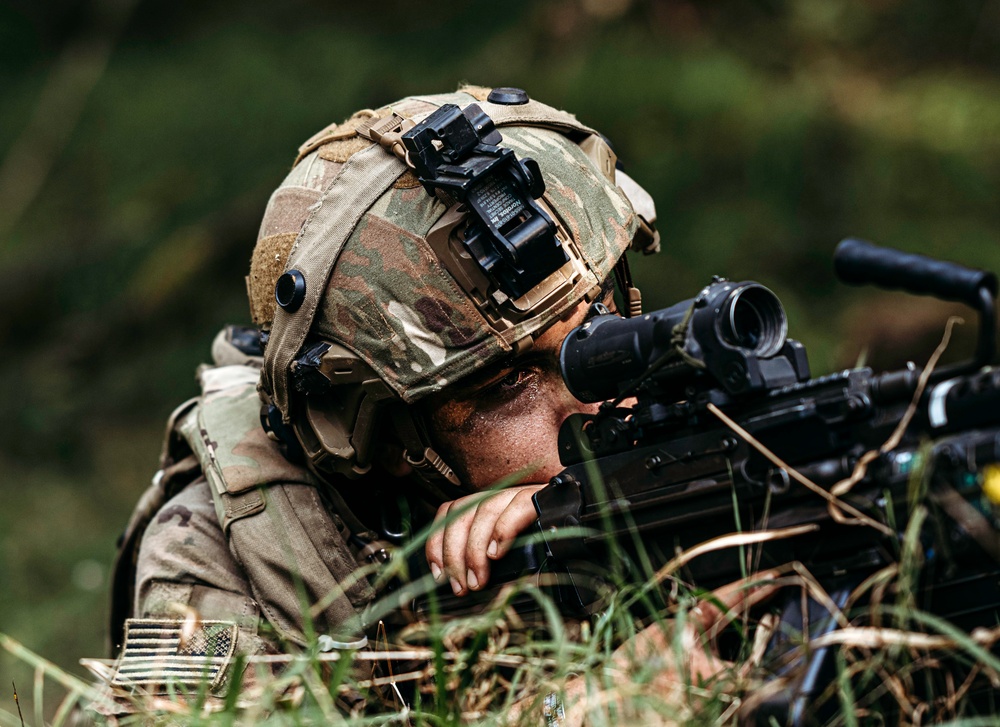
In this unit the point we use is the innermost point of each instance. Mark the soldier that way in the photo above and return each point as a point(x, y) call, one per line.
point(412, 281)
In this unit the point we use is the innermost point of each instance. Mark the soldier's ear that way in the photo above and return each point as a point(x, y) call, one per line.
point(393, 461)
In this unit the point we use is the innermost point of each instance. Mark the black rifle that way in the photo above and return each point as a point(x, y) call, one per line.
point(649, 481)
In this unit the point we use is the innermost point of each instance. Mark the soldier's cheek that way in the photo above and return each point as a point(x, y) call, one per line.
point(527, 443)
point(511, 449)
point(513, 441)
point(517, 448)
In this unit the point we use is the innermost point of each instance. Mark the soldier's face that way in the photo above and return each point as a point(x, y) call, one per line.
point(505, 420)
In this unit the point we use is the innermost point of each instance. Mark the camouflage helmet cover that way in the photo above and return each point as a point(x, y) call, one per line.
point(389, 298)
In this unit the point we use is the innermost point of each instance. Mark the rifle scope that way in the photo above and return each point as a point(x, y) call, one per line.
point(736, 333)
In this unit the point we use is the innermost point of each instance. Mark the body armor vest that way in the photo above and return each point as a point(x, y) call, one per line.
point(293, 550)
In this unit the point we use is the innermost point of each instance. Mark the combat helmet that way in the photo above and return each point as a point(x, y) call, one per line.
point(414, 244)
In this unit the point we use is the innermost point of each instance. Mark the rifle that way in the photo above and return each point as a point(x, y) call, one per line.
point(646, 482)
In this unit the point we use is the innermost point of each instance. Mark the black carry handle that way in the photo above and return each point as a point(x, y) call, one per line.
point(861, 263)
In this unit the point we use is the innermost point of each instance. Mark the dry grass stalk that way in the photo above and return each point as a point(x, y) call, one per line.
point(815, 589)
point(870, 637)
point(733, 540)
point(839, 505)
point(861, 468)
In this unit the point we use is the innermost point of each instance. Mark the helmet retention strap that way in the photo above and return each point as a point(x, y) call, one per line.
point(428, 465)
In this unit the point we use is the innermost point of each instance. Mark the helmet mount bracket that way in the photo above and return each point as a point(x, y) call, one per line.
point(511, 237)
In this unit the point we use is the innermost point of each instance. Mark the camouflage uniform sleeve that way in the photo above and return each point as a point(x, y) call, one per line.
point(185, 562)
point(185, 567)
point(192, 619)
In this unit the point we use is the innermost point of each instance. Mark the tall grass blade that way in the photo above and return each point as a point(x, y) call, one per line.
point(17, 702)
point(39, 695)
point(52, 671)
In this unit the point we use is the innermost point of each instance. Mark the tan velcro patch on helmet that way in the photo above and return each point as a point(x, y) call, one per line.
point(336, 132)
point(267, 264)
point(477, 92)
point(407, 181)
point(343, 149)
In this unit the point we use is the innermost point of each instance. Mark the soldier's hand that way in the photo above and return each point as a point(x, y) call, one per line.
point(704, 623)
point(650, 660)
point(483, 529)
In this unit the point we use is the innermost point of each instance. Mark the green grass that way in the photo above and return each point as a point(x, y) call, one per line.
point(473, 669)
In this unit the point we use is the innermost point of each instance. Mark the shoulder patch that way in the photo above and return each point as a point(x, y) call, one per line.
point(161, 654)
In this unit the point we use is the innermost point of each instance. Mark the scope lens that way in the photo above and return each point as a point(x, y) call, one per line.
point(752, 318)
point(747, 324)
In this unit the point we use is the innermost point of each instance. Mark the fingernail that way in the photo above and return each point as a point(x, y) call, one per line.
point(436, 571)
point(492, 548)
point(471, 579)
point(456, 586)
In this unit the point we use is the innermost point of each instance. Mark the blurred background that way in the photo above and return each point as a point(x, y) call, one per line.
point(140, 139)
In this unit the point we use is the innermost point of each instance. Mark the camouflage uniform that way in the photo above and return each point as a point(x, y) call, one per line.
point(236, 533)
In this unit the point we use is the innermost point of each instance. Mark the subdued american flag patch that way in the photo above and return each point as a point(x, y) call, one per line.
point(158, 653)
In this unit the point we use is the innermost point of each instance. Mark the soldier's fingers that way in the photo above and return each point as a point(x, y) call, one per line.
point(480, 532)
point(513, 521)
point(456, 534)
point(434, 549)
point(464, 537)
point(734, 599)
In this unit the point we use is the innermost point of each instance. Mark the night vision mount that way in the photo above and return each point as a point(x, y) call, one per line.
point(509, 235)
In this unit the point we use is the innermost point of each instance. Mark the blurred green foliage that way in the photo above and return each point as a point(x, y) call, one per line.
point(139, 140)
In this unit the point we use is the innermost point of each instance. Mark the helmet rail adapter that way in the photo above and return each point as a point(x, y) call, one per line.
point(413, 245)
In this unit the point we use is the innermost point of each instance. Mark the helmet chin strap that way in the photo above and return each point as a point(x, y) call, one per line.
point(433, 472)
